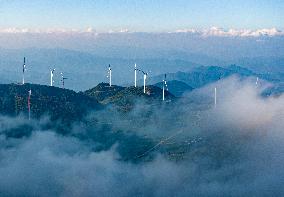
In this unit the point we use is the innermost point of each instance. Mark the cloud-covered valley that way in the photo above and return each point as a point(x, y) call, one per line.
point(235, 149)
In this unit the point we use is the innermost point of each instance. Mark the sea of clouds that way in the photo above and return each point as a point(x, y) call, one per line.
point(241, 152)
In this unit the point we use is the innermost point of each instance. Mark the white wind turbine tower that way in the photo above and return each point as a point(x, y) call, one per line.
point(256, 83)
point(164, 86)
point(145, 77)
point(215, 97)
point(135, 76)
point(24, 69)
point(51, 77)
point(109, 74)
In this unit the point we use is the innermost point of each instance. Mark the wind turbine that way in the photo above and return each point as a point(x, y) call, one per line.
point(256, 83)
point(109, 75)
point(63, 80)
point(29, 103)
point(51, 77)
point(135, 76)
point(215, 97)
point(145, 77)
point(215, 94)
point(24, 69)
point(165, 86)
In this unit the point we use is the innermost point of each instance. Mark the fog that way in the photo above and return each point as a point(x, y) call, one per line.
point(235, 149)
point(151, 45)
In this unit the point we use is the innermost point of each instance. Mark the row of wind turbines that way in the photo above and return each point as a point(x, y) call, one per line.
point(136, 70)
point(52, 71)
point(145, 74)
point(51, 75)
point(109, 76)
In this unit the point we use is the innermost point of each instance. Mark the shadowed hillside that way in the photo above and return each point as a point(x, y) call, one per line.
point(126, 97)
point(58, 103)
point(68, 105)
point(103, 91)
point(175, 87)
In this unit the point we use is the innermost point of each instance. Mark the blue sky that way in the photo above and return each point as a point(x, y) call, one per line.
point(142, 15)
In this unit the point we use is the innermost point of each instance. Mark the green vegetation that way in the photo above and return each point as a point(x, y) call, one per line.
point(60, 104)
point(125, 98)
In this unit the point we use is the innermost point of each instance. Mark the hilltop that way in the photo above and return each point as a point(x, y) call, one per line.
point(102, 91)
point(125, 97)
point(58, 103)
point(68, 105)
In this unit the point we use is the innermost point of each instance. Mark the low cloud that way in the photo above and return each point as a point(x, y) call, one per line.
point(217, 31)
point(240, 153)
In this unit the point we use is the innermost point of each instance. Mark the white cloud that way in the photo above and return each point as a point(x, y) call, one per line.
point(216, 31)
point(213, 31)
point(48, 30)
point(89, 30)
point(14, 30)
point(124, 31)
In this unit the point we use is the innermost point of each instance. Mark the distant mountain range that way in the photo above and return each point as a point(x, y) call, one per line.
point(201, 76)
point(204, 46)
point(177, 88)
point(262, 64)
point(86, 69)
point(181, 82)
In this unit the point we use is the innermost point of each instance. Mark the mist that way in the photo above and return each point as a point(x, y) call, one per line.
point(235, 149)
point(134, 45)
